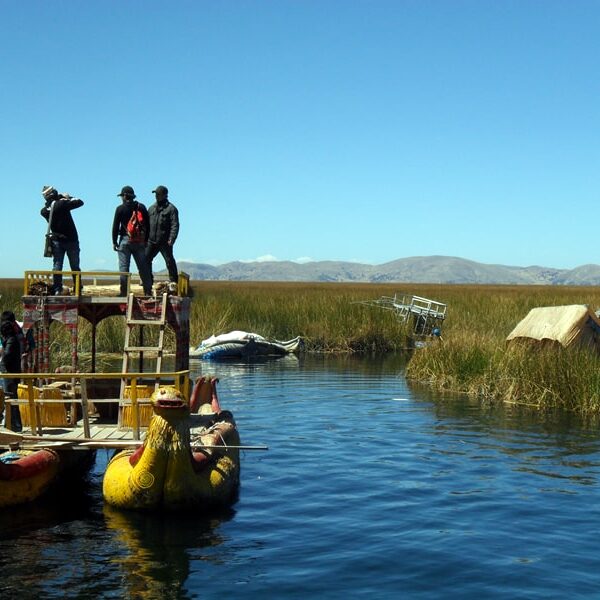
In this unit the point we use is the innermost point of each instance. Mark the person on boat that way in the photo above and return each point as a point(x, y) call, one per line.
point(128, 243)
point(9, 316)
point(11, 363)
point(65, 240)
point(26, 340)
point(164, 228)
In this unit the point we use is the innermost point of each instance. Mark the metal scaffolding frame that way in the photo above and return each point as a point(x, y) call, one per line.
point(427, 315)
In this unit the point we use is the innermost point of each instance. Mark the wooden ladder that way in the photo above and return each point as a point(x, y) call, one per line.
point(128, 350)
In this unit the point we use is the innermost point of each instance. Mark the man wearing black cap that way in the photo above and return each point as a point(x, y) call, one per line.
point(164, 227)
point(129, 242)
point(57, 211)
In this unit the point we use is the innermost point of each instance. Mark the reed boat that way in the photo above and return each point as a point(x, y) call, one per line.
point(26, 474)
point(241, 344)
point(66, 414)
point(188, 459)
point(173, 453)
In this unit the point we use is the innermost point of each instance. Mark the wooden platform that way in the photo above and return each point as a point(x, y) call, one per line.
point(101, 284)
point(107, 436)
point(52, 413)
point(101, 436)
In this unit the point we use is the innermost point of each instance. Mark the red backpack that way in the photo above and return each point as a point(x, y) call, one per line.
point(136, 226)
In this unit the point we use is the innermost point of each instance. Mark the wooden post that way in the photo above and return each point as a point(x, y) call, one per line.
point(85, 416)
point(94, 326)
point(33, 414)
point(135, 409)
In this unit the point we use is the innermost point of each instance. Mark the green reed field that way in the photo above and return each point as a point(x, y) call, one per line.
point(472, 357)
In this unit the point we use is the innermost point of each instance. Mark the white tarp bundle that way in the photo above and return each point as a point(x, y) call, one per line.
point(569, 325)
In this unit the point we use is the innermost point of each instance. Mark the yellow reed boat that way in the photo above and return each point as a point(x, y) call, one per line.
point(189, 457)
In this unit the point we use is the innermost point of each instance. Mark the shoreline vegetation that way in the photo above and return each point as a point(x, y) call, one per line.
point(472, 358)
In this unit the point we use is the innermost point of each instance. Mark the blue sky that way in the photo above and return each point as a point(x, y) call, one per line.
point(325, 130)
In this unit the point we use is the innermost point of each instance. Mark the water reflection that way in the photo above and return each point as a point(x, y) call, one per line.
point(154, 558)
point(392, 364)
point(556, 445)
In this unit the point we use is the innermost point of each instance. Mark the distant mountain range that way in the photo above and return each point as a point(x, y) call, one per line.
point(416, 269)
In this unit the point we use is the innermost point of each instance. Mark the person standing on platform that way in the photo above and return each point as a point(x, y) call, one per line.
point(57, 212)
point(129, 238)
point(164, 228)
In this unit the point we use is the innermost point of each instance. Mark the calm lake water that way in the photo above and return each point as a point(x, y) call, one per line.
point(369, 489)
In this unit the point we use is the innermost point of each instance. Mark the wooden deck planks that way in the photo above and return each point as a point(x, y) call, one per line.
point(104, 435)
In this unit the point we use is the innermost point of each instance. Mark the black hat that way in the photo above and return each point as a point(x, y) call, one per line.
point(7, 315)
point(161, 189)
point(127, 190)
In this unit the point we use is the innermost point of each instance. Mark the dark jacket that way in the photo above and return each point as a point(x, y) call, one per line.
point(11, 355)
point(164, 223)
point(62, 226)
point(122, 215)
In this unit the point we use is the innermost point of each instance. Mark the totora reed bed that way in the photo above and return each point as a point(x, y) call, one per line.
point(472, 357)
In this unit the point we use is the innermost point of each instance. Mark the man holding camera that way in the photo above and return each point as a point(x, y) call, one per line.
point(64, 237)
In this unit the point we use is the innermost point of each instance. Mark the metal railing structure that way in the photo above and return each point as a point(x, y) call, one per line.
point(427, 315)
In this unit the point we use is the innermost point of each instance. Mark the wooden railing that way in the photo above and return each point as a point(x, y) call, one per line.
point(180, 380)
point(93, 278)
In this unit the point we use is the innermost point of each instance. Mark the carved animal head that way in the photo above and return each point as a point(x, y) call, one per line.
point(169, 402)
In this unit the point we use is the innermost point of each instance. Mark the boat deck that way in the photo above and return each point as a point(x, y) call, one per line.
point(103, 436)
point(51, 415)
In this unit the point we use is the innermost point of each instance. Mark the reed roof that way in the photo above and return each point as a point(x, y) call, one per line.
point(575, 324)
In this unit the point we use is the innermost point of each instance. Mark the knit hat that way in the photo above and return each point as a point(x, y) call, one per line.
point(161, 189)
point(127, 190)
point(48, 190)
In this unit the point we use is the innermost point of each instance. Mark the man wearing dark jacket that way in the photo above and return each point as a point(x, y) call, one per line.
point(164, 227)
point(126, 246)
point(57, 211)
point(11, 363)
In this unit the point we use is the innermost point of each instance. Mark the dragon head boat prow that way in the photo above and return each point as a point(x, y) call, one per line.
point(168, 397)
point(185, 460)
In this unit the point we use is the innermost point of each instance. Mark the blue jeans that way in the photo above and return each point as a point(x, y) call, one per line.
point(10, 387)
point(59, 249)
point(138, 251)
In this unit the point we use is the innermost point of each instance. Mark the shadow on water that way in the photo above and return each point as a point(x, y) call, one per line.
point(43, 541)
point(57, 506)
